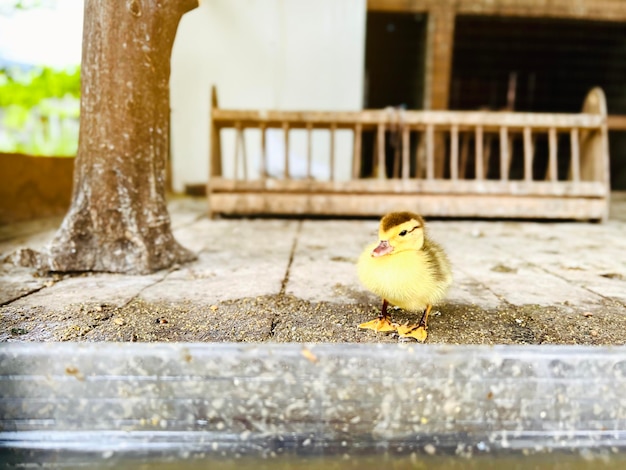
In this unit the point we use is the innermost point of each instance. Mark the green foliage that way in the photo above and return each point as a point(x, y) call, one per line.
point(27, 89)
point(9, 6)
point(39, 111)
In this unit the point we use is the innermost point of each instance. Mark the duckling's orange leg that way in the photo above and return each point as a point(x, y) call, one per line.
point(382, 323)
point(424, 321)
point(418, 331)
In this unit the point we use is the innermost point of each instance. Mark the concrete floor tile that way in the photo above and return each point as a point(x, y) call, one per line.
point(16, 282)
point(236, 258)
point(324, 262)
point(512, 268)
point(466, 290)
point(92, 290)
point(208, 287)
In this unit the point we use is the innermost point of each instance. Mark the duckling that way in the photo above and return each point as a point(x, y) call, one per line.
point(407, 269)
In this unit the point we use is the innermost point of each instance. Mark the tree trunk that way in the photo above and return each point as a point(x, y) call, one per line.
point(118, 220)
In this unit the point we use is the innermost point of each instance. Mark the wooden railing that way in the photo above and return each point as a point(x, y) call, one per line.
point(442, 163)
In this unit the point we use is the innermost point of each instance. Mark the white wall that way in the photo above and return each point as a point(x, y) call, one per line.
point(265, 54)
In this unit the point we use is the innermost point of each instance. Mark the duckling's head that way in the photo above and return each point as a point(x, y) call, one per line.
point(399, 231)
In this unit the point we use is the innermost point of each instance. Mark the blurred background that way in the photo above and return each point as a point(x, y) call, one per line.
point(518, 55)
point(40, 47)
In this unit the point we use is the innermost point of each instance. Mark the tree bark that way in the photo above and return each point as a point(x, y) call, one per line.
point(118, 219)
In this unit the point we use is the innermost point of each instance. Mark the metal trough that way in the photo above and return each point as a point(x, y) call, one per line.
point(109, 404)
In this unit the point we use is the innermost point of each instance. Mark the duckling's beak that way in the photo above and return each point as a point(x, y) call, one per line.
point(383, 248)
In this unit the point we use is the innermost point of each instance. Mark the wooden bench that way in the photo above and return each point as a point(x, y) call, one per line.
point(443, 164)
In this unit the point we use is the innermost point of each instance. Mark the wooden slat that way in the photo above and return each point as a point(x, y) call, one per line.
point(505, 189)
point(286, 135)
point(616, 122)
point(309, 150)
point(552, 153)
point(240, 152)
point(237, 150)
point(599, 10)
point(528, 154)
point(406, 150)
point(263, 151)
point(356, 158)
point(438, 53)
point(437, 205)
point(454, 153)
point(215, 157)
point(370, 119)
point(594, 145)
point(504, 154)
point(380, 153)
point(480, 172)
point(333, 128)
point(430, 152)
point(575, 162)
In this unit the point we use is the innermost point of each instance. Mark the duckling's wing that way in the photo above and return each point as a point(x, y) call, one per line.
point(438, 261)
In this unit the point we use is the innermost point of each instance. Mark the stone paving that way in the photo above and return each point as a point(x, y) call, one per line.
point(575, 265)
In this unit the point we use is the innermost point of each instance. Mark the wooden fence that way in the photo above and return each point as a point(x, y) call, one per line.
point(442, 163)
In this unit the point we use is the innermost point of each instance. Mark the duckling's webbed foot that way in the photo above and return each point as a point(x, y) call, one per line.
point(418, 331)
point(382, 323)
point(379, 324)
point(413, 331)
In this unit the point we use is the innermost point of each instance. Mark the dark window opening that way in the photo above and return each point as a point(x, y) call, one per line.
point(540, 65)
point(394, 73)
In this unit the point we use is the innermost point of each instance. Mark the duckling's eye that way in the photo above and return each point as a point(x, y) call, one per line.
point(403, 233)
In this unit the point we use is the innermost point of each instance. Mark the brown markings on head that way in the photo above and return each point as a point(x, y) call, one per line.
point(396, 218)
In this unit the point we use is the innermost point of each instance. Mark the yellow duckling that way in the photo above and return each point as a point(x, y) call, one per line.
point(406, 269)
